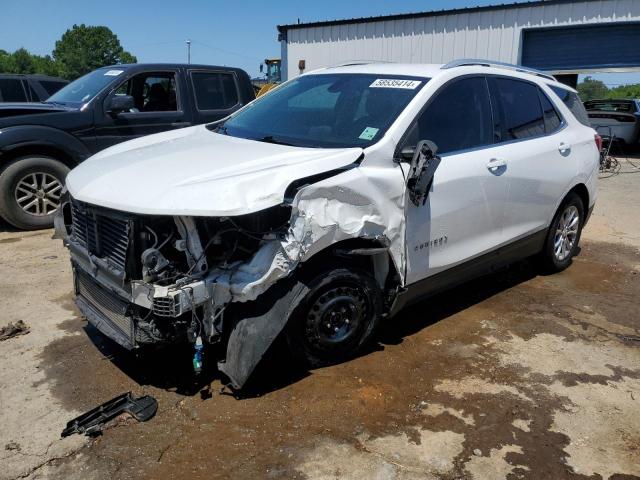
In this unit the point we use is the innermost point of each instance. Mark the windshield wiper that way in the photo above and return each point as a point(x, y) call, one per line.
point(46, 102)
point(272, 139)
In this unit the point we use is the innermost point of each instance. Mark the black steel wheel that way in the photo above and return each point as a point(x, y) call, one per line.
point(336, 318)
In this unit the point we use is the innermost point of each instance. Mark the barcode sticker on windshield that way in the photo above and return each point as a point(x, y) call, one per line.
point(113, 73)
point(395, 83)
point(368, 133)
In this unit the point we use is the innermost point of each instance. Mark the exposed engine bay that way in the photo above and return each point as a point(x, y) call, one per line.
point(161, 265)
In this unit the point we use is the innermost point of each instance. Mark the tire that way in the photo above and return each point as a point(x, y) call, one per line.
point(563, 237)
point(30, 189)
point(336, 319)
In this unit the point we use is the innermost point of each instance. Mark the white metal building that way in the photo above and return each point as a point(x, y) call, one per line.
point(560, 36)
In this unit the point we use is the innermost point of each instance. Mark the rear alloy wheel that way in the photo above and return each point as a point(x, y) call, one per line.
point(563, 236)
point(566, 233)
point(30, 191)
point(336, 318)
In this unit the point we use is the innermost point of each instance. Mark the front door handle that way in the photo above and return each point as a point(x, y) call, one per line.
point(181, 124)
point(496, 163)
point(564, 148)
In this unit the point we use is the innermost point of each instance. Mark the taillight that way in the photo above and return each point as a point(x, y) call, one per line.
point(598, 140)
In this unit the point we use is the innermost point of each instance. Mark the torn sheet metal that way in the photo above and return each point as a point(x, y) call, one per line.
point(353, 204)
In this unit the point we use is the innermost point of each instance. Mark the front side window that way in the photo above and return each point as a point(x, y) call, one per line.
point(325, 110)
point(214, 90)
point(11, 90)
point(520, 106)
point(573, 103)
point(151, 92)
point(458, 118)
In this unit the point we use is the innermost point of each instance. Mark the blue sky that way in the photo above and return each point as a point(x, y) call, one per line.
point(240, 33)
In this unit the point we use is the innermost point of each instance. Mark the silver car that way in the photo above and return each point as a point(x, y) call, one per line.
point(615, 118)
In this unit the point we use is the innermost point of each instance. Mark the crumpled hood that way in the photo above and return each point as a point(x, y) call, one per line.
point(194, 171)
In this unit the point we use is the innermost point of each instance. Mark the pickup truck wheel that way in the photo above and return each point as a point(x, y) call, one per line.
point(562, 240)
point(336, 318)
point(30, 191)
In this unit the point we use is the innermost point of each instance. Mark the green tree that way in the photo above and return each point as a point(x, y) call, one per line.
point(84, 48)
point(625, 91)
point(21, 61)
point(590, 89)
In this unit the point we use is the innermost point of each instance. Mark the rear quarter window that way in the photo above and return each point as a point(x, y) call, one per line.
point(11, 90)
point(51, 86)
point(573, 103)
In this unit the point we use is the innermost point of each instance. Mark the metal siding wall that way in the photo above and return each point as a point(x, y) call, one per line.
point(494, 34)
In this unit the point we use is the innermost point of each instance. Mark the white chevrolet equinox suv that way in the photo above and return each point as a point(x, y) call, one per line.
point(325, 206)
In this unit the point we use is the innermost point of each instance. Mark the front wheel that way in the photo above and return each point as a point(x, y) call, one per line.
point(563, 237)
point(337, 317)
point(30, 191)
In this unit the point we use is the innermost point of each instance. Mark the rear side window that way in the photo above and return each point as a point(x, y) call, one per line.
point(214, 91)
point(11, 90)
point(573, 103)
point(458, 118)
point(552, 119)
point(520, 107)
point(51, 86)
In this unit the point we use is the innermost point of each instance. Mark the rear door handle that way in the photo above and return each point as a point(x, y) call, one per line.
point(496, 163)
point(181, 124)
point(564, 148)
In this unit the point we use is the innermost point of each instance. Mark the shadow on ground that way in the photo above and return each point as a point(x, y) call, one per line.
point(170, 368)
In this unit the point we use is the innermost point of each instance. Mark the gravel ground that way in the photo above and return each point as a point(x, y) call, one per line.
point(514, 375)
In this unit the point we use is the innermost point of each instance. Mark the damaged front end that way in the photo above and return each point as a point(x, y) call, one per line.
point(152, 279)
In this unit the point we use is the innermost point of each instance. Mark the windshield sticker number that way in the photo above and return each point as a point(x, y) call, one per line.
point(113, 73)
point(395, 83)
point(368, 133)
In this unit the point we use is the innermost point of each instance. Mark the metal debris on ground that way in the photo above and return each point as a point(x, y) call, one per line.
point(92, 423)
point(13, 330)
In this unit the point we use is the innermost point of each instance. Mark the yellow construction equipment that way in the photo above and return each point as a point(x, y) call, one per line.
point(273, 76)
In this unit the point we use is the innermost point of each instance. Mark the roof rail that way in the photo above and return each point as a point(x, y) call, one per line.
point(357, 62)
point(491, 63)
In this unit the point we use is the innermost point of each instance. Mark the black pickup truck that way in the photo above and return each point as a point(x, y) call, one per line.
point(40, 142)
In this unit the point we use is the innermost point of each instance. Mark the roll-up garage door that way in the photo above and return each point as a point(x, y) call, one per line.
point(582, 47)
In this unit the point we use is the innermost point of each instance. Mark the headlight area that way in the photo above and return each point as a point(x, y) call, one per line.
point(143, 279)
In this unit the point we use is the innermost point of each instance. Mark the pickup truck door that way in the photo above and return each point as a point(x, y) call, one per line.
point(463, 215)
point(161, 104)
point(214, 94)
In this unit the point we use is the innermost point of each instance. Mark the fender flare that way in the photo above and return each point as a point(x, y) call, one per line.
point(33, 136)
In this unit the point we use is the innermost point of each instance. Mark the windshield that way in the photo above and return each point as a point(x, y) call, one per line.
point(325, 110)
point(85, 88)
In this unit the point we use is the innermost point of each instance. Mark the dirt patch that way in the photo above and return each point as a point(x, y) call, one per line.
point(13, 330)
point(479, 382)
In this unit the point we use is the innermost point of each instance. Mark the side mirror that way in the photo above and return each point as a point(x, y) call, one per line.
point(120, 103)
point(424, 163)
